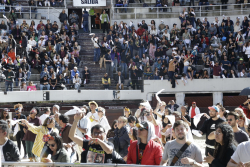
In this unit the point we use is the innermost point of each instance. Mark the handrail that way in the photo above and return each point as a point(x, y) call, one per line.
point(72, 164)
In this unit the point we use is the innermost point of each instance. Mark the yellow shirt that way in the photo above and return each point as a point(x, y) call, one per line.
point(39, 143)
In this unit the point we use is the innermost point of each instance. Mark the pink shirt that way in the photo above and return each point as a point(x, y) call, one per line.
point(158, 131)
point(31, 88)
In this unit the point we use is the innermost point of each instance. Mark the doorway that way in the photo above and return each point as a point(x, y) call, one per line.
point(95, 21)
point(79, 13)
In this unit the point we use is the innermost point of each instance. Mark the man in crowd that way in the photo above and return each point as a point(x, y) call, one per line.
point(175, 151)
point(194, 110)
point(119, 81)
point(9, 150)
point(208, 127)
point(46, 114)
point(93, 115)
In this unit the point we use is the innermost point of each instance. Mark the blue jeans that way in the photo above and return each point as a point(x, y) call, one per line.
point(185, 69)
point(125, 5)
point(141, 51)
point(58, 47)
point(204, 46)
point(28, 75)
point(156, 77)
point(182, 2)
point(96, 54)
point(7, 85)
point(77, 60)
point(85, 26)
point(17, 81)
point(124, 69)
point(206, 3)
point(170, 75)
point(46, 86)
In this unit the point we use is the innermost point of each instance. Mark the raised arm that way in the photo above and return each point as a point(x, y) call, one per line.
point(72, 131)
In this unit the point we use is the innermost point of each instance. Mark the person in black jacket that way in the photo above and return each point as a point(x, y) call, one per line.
point(23, 45)
point(9, 149)
point(10, 75)
point(119, 81)
point(96, 145)
point(20, 77)
point(63, 16)
point(20, 134)
point(172, 105)
point(134, 78)
point(225, 146)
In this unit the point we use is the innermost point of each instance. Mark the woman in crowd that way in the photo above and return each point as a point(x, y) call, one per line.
point(224, 74)
point(243, 121)
point(233, 74)
point(31, 87)
point(53, 82)
point(20, 134)
point(23, 86)
point(225, 146)
point(86, 75)
point(111, 132)
point(103, 119)
point(121, 139)
point(77, 81)
point(42, 133)
point(132, 121)
point(5, 114)
point(56, 149)
point(127, 112)
point(29, 137)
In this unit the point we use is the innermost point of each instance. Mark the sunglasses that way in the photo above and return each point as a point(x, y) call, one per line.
point(98, 133)
point(52, 145)
point(229, 120)
point(142, 129)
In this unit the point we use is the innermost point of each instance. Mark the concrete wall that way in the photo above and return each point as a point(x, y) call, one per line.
point(215, 86)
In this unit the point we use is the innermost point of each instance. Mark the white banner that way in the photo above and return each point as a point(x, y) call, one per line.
point(89, 2)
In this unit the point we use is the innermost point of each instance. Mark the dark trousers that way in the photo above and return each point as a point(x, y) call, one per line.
point(192, 124)
point(19, 139)
point(105, 27)
point(210, 151)
point(170, 75)
point(29, 146)
point(135, 84)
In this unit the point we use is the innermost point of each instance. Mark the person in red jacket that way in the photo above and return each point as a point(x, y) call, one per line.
point(140, 31)
point(246, 110)
point(145, 150)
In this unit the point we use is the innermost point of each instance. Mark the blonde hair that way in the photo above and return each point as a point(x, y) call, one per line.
point(124, 119)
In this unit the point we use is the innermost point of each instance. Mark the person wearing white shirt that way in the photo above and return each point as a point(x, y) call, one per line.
point(103, 119)
point(45, 115)
point(83, 126)
point(31, 43)
point(217, 21)
point(93, 115)
point(41, 44)
point(166, 34)
point(240, 158)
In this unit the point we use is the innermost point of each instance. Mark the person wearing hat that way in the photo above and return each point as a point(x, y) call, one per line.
point(194, 110)
point(10, 75)
point(93, 115)
point(103, 119)
point(209, 126)
point(145, 150)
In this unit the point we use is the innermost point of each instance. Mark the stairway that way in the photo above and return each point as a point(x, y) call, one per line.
point(87, 59)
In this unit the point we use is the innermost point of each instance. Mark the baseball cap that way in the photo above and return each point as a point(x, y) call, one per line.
point(142, 125)
point(213, 108)
point(241, 59)
point(193, 102)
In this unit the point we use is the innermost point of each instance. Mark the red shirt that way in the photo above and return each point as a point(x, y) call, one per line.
point(193, 112)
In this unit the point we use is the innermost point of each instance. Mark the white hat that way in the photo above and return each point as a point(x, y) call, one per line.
point(57, 107)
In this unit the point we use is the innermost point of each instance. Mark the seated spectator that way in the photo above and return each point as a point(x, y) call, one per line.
point(20, 77)
point(106, 81)
point(74, 72)
point(46, 62)
point(191, 72)
point(61, 83)
point(243, 74)
point(224, 74)
point(44, 83)
point(57, 150)
point(76, 55)
point(77, 81)
point(66, 74)
point(148, 74)
point(12, 55)
point(162, 72)
point(119, 81)
point(72, 64)
point(215, 41)
point(10, 151)
point(233, 74)
point(23, 86)
point(31, 87)
point(53, 82)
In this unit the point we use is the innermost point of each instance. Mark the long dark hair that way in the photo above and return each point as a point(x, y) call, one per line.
point(228, 140)
point(48, 120)
point(2, 116)
point(113, 124)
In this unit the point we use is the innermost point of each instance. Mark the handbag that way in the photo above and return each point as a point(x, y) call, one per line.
point(179, 153)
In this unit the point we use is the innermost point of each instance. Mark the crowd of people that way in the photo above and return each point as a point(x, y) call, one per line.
point(195, 49)
point(50, 48)
point(159, 136)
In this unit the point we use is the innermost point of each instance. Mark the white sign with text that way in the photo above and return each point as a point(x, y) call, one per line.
point(89, 2)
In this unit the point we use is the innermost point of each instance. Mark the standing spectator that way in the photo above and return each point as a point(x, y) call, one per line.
point(103, 121)
point(239, 135)
point(204, 2)
point(246, 109)
point(225, 146)
point(208, 127)
point(20, 77)
point(46, 114)
point(216, 70)
point(83, 127)
point(85, 21)
point(104, 21)
point(29, 137)
point(96, 49)
point(172, 148)
point(241, 156)
point(9, 79)
point(119, 81)
point(134, 77)
point(109, 67)
point(121, 139)
point(9, 149)
point(194, 110)
point(20, 134)
point(171, 69)
point(86, 75)
point(74, 18)
point(226, 64)
point(139, 150)
point(26, 69)
point(172, 105)
point(106, 81)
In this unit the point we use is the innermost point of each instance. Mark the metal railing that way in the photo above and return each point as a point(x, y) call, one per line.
point(72, 164)
point(174, 11)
